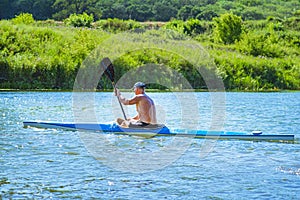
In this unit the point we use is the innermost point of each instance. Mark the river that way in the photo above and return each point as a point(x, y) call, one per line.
point(59, 164)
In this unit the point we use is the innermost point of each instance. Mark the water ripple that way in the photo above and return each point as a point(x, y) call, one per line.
point(47, 163)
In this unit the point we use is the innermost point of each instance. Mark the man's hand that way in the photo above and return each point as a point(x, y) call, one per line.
point(117, 92)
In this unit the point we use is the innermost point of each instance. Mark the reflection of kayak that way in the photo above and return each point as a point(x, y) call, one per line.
point(156, 130)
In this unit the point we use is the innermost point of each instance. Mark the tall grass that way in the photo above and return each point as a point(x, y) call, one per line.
point(43, 58)
point(41, 55)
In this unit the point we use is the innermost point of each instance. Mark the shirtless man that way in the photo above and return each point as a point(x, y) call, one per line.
point(146, 112)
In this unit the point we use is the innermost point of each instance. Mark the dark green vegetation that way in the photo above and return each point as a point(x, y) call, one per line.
point(249, 54)
point(149, 10)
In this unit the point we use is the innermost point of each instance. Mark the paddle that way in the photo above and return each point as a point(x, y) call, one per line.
point(110, 73)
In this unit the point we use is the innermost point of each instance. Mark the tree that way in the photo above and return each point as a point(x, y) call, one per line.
point(193, 27)
point(105, 7)
point(185, 12)
point(140, 12)
point(252, 14)
point(119, 11)
point(63, 8)
point(163, 12)
point(228, 28)
point(207, 15)
point(5, 9)
point(42, 9)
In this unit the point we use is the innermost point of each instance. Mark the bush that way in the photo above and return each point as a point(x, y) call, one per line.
point(293, 23)
point(190, 27)
point(176, 25)
point(259, 44)
point(245, 73)
point(252, 14)
point(34, 57)
point(228, 28)
point(23, 18)
point(207, 15)
point(80, 20)
point(194, 27)
point(118, 25)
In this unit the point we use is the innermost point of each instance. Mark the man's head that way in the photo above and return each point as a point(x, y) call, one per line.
point(139, 87)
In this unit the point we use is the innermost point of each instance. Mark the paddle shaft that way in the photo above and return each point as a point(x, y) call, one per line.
point(113, 84)
point(110, 73)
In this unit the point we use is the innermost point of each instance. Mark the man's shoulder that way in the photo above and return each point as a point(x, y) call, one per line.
point(142, 97)
point(137, 97)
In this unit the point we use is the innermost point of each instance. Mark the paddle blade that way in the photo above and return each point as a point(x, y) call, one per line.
point(108, 69)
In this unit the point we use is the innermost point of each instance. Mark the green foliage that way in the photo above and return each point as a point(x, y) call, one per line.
point(136, 59)
point(118, 25)
point(252, 13)
point(228, 28)
point(259, 44)
point(151, 10)
point(293, 23)
point(266, 57)
point(176, 25)
point(47, 55)
point(80, 20)
point(159, 11)
point(297, 13)
point(194, 27)
point(207, 15)
point(245, 73)
point(271, 41)
point(41, 57)
point(64, 8)
point(23, 18)
point(191, 27)
point(185, 12)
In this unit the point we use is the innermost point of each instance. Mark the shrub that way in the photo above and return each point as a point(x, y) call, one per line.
point(262, 44)
point(245, 73)
point(207, 15)
point(293, 23)
point(194, 27)
point(228, 28)
point(23, 18)
point(190, 27)
point(176, 25)
point(252, 14)
point(117, 25)
point(80, 20)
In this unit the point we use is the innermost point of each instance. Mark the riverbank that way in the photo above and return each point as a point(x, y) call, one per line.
point(48, 57)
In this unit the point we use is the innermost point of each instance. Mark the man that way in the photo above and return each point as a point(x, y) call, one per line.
point(146, 112)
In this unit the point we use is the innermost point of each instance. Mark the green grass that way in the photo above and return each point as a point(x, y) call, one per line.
point(47, 55)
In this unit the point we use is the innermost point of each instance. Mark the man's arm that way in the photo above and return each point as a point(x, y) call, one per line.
point(122, 99)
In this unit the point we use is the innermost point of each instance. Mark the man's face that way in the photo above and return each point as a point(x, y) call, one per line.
point(137, 90)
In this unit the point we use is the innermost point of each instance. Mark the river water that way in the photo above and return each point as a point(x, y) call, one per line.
point(59, 164)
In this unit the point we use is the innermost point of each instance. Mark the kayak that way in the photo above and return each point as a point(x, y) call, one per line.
point(108, 127)
point(158, 130)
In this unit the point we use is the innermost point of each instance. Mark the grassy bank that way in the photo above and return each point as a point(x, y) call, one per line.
point(47, 55)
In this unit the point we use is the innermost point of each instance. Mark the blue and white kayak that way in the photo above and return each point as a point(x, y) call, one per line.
point(157, 130)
